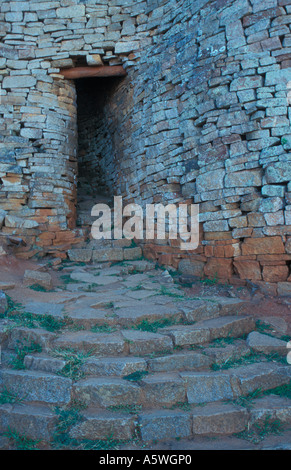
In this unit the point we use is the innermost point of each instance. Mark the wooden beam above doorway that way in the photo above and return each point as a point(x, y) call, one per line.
point(101, 71)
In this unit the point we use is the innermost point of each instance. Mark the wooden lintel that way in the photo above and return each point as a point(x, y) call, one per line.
point(101, 71)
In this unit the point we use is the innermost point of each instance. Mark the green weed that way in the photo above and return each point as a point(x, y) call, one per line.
point(22, 351)
point(74, 360)
point(136, 376)
point(6, 396)
point(261, 430)
point(20, 441)
point(152, 327)
point(105, 328)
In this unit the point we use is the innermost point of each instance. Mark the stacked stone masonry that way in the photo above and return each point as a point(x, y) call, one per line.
point(202, 116)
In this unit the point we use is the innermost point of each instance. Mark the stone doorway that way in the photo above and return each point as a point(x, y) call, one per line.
point(96, 153)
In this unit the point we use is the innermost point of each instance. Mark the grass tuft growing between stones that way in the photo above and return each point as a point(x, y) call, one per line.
point(21, 318)
point(136, 376)
point(247, 401)
point(281, 391)
point(74, 361)
point(6, 396)
point(164, 290)
point(249, 359)
point(153, 327)
point(261, 430)
point(131, 409)
point(20, 441)
point(105, 328)
point(210, 281)
point(39, 288)
point(68, 417)
point(22, 351)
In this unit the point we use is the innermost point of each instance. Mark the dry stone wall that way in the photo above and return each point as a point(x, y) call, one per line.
point(203, 116)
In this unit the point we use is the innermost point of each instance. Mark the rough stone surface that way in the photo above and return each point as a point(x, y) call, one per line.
point(97, 425)
point(3, 302)
point(216, 134)
point(37, 277)
point(219, 419)
point(203, 387)
point(266, 344)
point(37, 386)
point(163, 424)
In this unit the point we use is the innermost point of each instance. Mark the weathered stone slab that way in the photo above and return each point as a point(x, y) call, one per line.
point(227, 352)
point(118, 366)
point(96, 343)
point(187, 335)
point(144, 342)
point(196, 310)
point(21, 81)
point(3, 302)
point(74, 11)
point(223, 327)
point(34, 422)
point(132, 253)
point(219, 419)
point(164, 389)
point(108, 254)
point(80, 255)
point(37, 277)
point(107, 392)
point(43, 363)
point(37, 386)
point(164, 425)
point(179, 361)
point(263, 376)
point(100, 425)
point(207, 386)
point(266, 344)
point(23, 337)
point(272, 407)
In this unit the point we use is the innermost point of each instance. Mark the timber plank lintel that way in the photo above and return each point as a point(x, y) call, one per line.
point(100, 71)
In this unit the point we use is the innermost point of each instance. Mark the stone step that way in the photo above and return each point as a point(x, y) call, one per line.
point(121, 366)
point(100, 424)
point(133, 341)
point(208, 330)
point(36, 386)
point(91, 343)
point(34, 421)
point(115, 252)
point(209, 386)
point(40, 422)
point(212, 307)
point(213, 419)
point(167, 389)
point(44, 363)
point(106, 392)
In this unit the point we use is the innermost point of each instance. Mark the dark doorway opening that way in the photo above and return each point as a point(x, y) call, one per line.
point(95, 144)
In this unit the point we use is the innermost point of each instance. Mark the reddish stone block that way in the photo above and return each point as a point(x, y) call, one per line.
point(219, 251)
point(166, 259)
point(217, 235)
point(267, 245)
point(218, 267)
point(248, 269)
point(150, 253)
point(209, 251)
point(275, 273)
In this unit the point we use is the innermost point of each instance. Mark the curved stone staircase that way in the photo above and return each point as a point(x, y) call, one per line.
point(131, 365)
